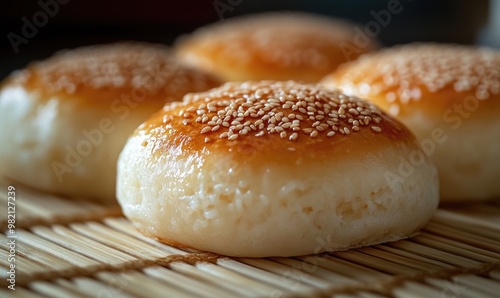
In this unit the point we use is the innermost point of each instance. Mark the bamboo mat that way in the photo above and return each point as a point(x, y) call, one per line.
point(73, 248)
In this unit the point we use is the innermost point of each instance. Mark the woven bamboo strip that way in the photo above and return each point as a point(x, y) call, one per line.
point(198, 287)
point(412, 289)
point(482, 225)
point(118, 241)
point(39, 255)
point(358, 295)
point(478, 282)
point(495, 274)
point(259, 287)
point(284, 283)
point(376, 263)
point(69, 256)
point(134, 283)
point(449, 288)
point(36, 208)
point(293, 273)
point(20, 293)
point(125, 227)
point(24, 265)
point(436, 254)
point(63, 219)
point(83, 245)
point(333, 277)
point(413, 256)
point(454, 249)
point(488, 210)
point(349, 269)
point(466, 221)
point(194, 272)
point(91, 287)
point(460, 235)
point(53, 290)
point(369, 295)
point(464, 246)
point(406, 261)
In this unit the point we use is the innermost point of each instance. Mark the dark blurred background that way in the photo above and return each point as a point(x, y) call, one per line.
point(35, 29)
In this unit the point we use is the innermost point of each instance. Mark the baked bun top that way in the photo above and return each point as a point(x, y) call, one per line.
point(101, 73)
point(432, 77)
point(274, 46)
point(281, 120)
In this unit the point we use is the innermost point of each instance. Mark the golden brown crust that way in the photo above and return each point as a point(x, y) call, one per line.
point(430, 77)
point(274, 46)
point(103, 73)
point(285, 120)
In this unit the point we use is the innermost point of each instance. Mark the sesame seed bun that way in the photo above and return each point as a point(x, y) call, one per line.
point(273, 169)
point(449, 96)
point(66, 119)
point(273, 46)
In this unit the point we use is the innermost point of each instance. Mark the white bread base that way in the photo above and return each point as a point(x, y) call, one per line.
point(214, 203)
point(467, 158)
point(36, 134)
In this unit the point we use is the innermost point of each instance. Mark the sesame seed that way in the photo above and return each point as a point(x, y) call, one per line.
point(316, 109)
point(353, 111)
point(215, 128)
point(405, 72)
point(376, 128)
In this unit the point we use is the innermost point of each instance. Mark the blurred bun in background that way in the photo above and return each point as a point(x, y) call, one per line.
point(449, 96)
point(278, 46)
point(66, 119)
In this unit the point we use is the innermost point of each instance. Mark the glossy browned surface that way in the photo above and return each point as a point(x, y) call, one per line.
point(175, 129)
point(429, 77)
point(273, 46)
point(129, 72)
